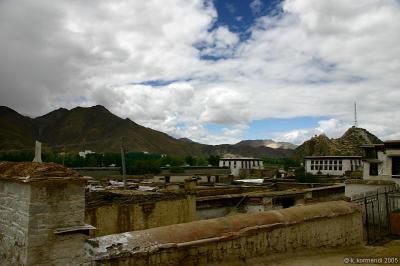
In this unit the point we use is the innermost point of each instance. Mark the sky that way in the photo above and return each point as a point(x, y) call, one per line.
point(212, 71)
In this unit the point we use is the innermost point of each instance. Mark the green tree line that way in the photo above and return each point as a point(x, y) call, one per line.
point(136, 162)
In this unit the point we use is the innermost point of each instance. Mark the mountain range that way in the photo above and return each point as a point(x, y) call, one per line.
point(97, 129)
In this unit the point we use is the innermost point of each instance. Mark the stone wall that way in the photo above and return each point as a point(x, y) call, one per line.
point(116, 215)
point(41, 215)
point(14, 220)
point(234, 238)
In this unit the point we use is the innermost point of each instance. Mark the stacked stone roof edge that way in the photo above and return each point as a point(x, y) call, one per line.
point(32, 171)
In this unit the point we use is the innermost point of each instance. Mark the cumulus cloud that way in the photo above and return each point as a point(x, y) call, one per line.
point(331, 127)
point(315, 58)
point(220, 43)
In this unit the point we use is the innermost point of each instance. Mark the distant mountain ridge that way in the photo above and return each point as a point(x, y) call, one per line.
point(267, 143)
point(348, 144)
point(97, 129)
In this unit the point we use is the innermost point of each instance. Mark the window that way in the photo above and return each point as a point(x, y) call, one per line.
point(373, 169)
point(396, 167)
point(335, 168)
point(335, 162)
point(312, 161)
point(340, 161)
point(312, 167)
point(330, 167)
point(325, 167)
point(340, 168)
point(234, 164)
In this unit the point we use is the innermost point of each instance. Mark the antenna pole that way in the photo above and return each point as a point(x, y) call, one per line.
point(123, 161)
point(355, 114)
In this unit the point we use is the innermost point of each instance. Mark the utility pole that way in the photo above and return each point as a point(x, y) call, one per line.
point(123, 162)
point(63, 156)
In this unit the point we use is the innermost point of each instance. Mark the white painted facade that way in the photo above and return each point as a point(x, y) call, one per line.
point(235, 164)
point(382, 161)
point(332, 165)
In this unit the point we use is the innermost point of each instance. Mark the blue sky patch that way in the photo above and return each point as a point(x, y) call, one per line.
point(240, 15)
point(266, 128)
point(159, 82)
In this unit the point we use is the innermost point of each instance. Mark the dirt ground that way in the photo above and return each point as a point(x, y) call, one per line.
point(334, 257)
point(339, 257)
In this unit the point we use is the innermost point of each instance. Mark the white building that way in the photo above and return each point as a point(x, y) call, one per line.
point(332, 165)
point(84, 153)
point(382, 161)
point(235, 164)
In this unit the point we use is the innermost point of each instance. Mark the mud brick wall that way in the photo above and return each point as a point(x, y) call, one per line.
point(233, 239)
point(124, 213)
point(56, 205)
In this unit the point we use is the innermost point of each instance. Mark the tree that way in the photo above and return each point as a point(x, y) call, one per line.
point(213, 160)
point(303, 177)
point(201, 161)
point(190, 160)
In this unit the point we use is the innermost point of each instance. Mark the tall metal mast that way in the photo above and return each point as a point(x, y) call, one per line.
point(355, 115)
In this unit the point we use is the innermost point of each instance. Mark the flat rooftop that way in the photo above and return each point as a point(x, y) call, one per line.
point(333, 156)
point(131, 196)
point(241, 159)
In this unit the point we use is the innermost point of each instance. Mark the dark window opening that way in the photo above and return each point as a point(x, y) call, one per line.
point(396, 167)
point(373, 169)
point(285, 202)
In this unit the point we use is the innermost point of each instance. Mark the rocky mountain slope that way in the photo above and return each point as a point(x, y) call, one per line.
point(97, 129)
point(348, 144)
